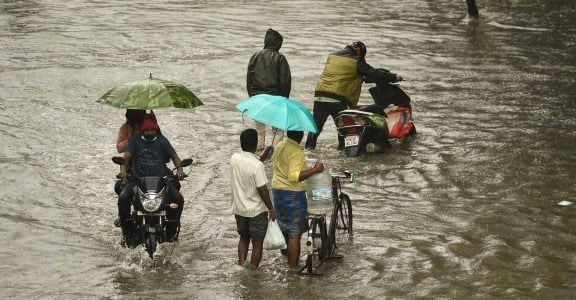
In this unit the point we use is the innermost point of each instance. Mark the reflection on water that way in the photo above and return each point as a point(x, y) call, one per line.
point(466, 209)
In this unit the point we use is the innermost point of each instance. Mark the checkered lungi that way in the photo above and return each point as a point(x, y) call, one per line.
point(291, 211)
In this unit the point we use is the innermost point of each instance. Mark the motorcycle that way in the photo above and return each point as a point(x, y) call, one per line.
point(147, 225)
point(373, 128)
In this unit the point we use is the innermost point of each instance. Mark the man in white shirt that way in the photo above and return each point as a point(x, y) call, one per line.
point(251, 203)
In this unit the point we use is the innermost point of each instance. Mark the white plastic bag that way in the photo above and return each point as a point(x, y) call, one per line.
point(274, 239)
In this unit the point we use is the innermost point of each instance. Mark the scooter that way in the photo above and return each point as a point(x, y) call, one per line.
point(373, 128)
point(147, 224)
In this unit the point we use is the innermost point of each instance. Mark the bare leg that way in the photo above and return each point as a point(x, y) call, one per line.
point(293, 250)
point(256, 253)
point(278, 136)
point(261, 129)
point(242, 250)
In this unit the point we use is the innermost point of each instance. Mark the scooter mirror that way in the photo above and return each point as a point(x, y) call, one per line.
point(118, 160)
point(186, 162)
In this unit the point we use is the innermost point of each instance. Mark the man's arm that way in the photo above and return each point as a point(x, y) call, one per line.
point(265, 195)
point(317, 168)
point(364, 69)
point(122, 139)
point(267, 153)
point(249, 70)
point(295, 173)
point(178, 164)
point(284, 77)
point(127, 164)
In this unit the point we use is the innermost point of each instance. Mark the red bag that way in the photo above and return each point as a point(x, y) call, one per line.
point(399, 123)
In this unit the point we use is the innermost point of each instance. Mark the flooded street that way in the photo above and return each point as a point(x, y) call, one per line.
point(468, 209)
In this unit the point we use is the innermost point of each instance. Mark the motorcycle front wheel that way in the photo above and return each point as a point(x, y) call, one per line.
point(344, 210)
point(150, 242)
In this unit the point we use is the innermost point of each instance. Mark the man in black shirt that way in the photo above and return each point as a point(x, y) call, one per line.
point(146, 155)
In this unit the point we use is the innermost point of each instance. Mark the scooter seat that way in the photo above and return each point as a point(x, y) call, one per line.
point(354, 112)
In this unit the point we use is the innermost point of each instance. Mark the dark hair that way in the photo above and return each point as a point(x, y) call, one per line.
point(295, 135)
point(249, 139)
point(135, 116)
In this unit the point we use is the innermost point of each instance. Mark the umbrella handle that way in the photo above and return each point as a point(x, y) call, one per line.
point(275, 130)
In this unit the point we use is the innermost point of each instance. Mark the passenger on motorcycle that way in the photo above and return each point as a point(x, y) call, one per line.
point(340, 85)
point(132, 126)
point(146, 155)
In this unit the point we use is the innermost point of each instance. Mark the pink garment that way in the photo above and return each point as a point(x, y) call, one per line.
point(124, 134)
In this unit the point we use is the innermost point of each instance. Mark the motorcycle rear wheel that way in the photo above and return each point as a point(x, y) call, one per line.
point(352, 151)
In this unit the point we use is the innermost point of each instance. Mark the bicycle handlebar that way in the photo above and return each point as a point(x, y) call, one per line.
point(343, 174)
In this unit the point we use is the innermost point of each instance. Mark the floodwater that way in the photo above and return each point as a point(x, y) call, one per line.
point(468, 209)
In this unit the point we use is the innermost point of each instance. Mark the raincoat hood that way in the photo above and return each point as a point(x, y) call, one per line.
point(273, 40)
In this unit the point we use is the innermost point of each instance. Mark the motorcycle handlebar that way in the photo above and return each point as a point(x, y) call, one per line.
point(184, 163)
point(170, 177)
point(173, 177)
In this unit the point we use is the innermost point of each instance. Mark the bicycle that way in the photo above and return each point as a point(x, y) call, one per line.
point(321, 241)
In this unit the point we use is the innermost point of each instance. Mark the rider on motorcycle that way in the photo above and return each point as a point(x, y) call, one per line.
point(146, 155)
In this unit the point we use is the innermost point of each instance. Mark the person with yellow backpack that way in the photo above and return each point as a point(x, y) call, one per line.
point(340, 85)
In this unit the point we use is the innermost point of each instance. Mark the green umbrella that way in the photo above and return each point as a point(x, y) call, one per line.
point(150, 93)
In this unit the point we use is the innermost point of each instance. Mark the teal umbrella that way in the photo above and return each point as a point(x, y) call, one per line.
point(150, 93)
point(279, 112)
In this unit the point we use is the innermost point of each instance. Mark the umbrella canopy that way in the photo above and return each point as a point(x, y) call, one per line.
point(279, 112)
point(150, 93)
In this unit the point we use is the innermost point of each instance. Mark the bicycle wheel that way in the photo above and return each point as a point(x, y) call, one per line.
point(317, 239)
point(344, 211)
point(331, 236)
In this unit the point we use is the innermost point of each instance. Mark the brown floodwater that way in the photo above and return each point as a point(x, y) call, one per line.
point(468, 209)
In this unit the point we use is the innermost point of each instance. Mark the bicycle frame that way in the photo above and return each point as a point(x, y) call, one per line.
point(321, 241)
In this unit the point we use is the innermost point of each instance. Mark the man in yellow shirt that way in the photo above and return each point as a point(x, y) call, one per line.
point(289, 191)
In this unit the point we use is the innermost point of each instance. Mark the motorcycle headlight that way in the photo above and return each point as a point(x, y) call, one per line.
point(151, 201)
